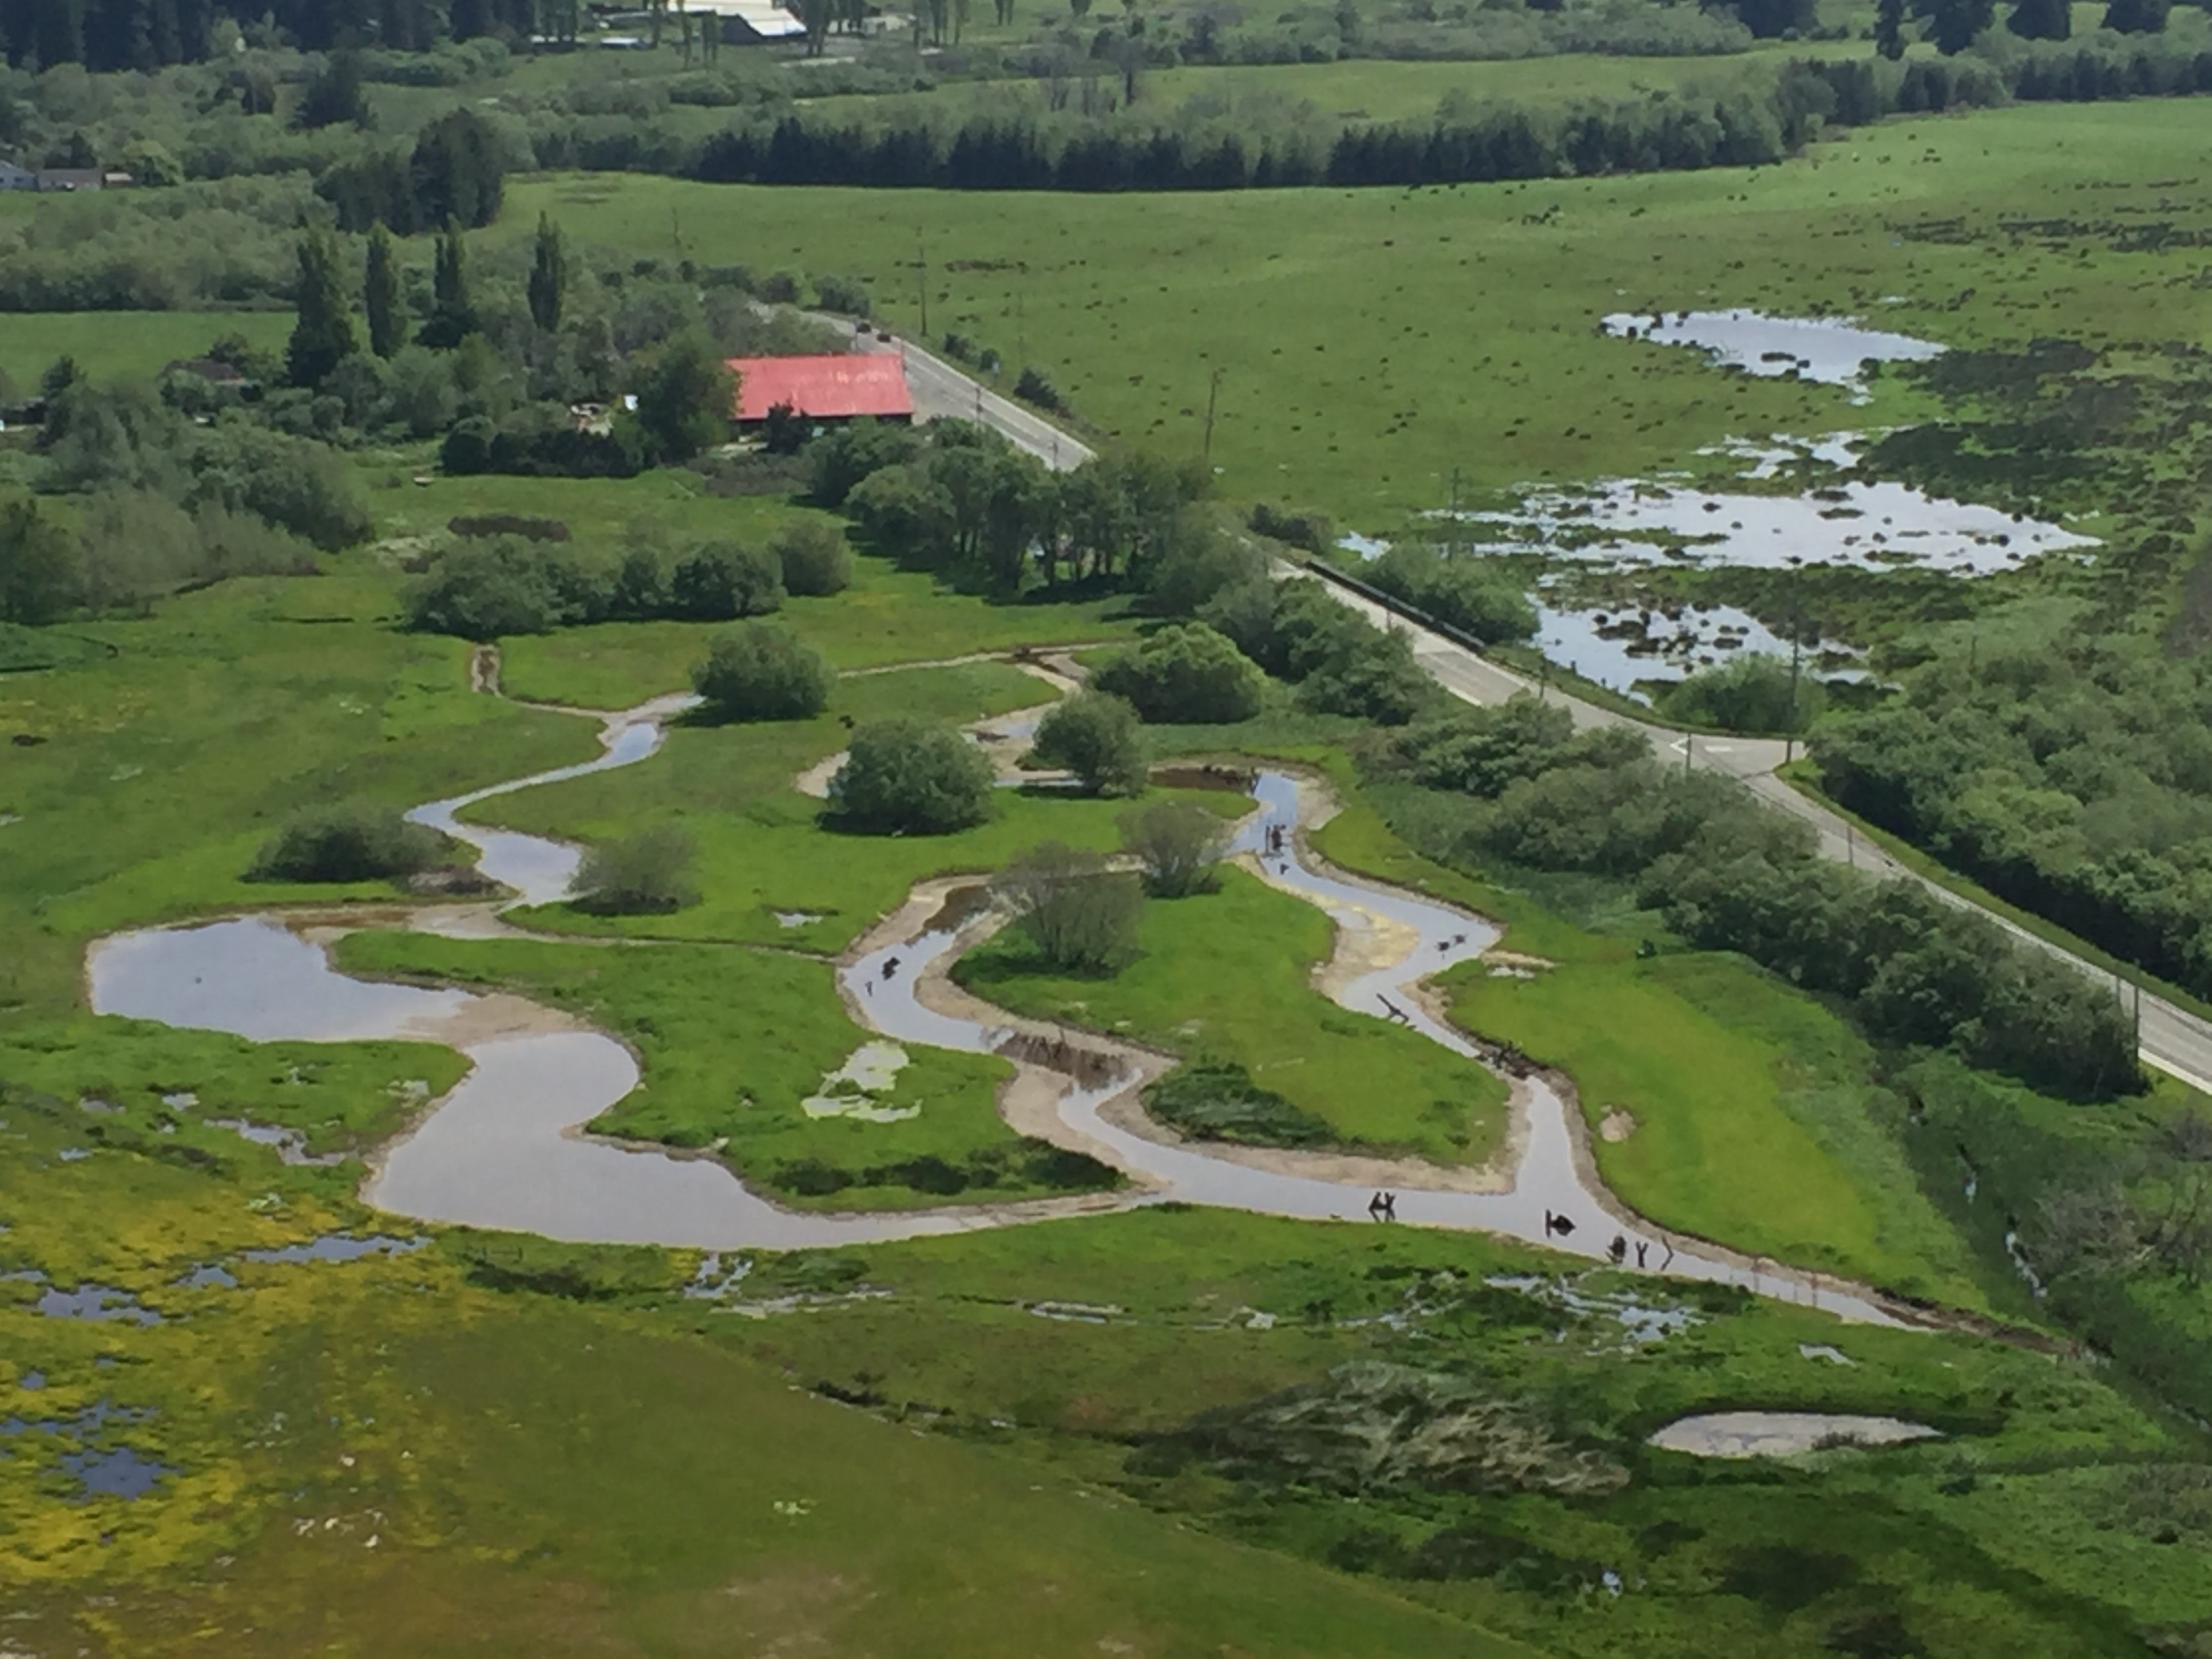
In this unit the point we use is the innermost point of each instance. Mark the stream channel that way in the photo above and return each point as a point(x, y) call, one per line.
point(505, 1149)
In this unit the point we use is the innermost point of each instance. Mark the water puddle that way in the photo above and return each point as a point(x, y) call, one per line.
point(336, 1247)
point(209, 1276)
point(1642, 1322)
point(99, 1472)
point(1834, 1356)
point(97, 1302)
point(290, 1145)
point(1832, 350)
point(1783, 1434)
point(851, 1091)
point(790, 919)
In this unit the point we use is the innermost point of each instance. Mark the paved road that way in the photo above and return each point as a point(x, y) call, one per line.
point(2173, 1039)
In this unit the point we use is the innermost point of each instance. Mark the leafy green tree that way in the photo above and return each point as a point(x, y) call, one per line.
point(548, 276)
point(905, 513)
point(761, 673)
point(686, 396)
point(323, 336)
point(841, 460)
point(815, 556)
point(1096, 736)
point(648, 874)
point(381, 296)
point(60, 375)
point(1889, 28)
point(720, 580)
point(2042, 20)
point(1186, 674)
point(1179, 845)
point(39, 574)
point(905, 777)
point(1079, 913)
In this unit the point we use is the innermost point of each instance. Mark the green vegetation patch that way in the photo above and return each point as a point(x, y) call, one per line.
point(1228, 977)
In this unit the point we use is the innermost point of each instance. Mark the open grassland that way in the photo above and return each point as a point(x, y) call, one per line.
point(1753, 1121)
point(1228, 975)
point(124, 344)
point(1374, 341)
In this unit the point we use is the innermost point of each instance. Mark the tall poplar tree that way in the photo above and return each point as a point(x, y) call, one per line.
point(323, 336)
point(1889, 29)
point(548, 276)
point(387, 320)
point(452, 315)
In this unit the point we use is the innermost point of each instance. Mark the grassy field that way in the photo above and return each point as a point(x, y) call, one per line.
point(1228, 975)
point(1754, 1122)
point(1374, 341)
point(131, 344)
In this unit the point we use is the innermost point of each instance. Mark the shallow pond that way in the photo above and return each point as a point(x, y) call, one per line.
point(1834, 351)
point(1783, 1434)
point(1618, 646)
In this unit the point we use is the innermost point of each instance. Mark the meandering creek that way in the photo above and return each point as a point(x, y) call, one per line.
point(505, 1149)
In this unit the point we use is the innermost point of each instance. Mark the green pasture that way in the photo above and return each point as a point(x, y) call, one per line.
point(888, 617)
point(1754, 1122)
point(1229, 975)
point(413, 501)
point(1374, 341)
point(1363, 89)
point(124, 344)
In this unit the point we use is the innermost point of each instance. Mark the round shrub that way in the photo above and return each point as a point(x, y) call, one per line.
point(761, 673)
point(904, 777)
point(814, 558)
point(648, 874)
point(1095, 735)
point(717, 581)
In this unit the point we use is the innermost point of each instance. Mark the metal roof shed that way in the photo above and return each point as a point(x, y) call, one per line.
point(826, 388)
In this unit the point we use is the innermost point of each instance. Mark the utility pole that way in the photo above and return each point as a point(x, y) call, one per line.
point(1212, 397)
point(1689, 748)
point(921, 261)
point(1452, 538)
point(1850, 844)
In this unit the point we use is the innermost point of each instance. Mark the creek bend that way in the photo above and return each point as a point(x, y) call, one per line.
point(505, 1148)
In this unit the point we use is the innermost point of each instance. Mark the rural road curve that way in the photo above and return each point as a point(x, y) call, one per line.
point(2172, 1038)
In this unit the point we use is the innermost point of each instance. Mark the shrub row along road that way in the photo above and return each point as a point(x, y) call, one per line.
point(2169, 1037)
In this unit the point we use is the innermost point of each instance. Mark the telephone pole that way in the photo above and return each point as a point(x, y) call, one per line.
point(922, 263)
point(1212, 397)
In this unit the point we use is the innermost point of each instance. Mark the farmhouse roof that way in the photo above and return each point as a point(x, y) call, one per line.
point(824, 388)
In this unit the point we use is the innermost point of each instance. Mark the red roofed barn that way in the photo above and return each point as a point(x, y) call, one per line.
point(832, 388)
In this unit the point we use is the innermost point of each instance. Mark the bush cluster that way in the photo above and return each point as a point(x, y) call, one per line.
point(345, 844)
point(1729, 875)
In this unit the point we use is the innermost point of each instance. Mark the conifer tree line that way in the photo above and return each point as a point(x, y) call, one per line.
point(1504, 141)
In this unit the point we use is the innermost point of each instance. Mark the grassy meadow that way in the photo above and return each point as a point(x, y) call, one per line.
point(124, 344)
point(1374, 341)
